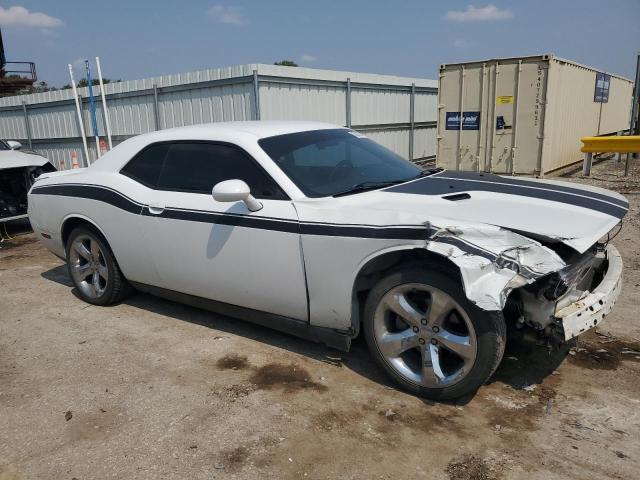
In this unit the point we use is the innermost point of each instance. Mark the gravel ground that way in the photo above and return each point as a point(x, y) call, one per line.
point(153, 389)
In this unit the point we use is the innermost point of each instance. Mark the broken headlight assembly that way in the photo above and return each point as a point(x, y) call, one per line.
point(535, 304)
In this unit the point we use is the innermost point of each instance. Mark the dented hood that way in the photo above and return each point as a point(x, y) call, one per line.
point(576, 215)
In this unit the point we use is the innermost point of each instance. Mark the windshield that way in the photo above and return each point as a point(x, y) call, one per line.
point(329, 162)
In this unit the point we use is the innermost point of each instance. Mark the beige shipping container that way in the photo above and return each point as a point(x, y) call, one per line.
point(525, 116)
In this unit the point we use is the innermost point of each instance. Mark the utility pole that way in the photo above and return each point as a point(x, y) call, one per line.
point(634, 124)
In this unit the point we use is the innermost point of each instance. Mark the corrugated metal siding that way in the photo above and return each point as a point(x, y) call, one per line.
point(127, 116)
point(340, 76)
point(394, 139)
point(286, 101)
point(424, 143)
point(212, 104)
point(426, 107)
point(54, 121)
point(12, 125)
point(175, 80)
point(59, 152)
point(379, 106)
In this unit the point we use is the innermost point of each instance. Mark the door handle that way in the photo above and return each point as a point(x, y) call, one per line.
point(156, 208)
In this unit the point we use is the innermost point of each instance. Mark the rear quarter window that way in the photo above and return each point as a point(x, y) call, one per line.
point(146, 166)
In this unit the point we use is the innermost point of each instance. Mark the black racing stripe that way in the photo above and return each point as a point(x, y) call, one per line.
point(440, 185)
point(227, 219)
point(491, 177)
point(112, 197)
point(92, 192)
point(402, 233)
point(466, 247)
point(308, 228)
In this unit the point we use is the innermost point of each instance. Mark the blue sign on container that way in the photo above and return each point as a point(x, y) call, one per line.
point(601, 93)
point(470, 121)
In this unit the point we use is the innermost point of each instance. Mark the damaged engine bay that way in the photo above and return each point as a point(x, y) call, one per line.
point(535, 305)
point(15, 184)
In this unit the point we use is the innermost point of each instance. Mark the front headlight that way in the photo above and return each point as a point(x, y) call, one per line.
point(516, 282)
point(555, 288)
point(571, 276)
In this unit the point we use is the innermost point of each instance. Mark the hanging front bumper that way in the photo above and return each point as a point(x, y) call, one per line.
point(589, 311)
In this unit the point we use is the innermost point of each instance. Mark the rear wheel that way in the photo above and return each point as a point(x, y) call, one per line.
point(429, 337)
point(93, 268)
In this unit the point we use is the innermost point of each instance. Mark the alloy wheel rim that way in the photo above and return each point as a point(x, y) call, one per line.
point(425, 335)
point(88, 266)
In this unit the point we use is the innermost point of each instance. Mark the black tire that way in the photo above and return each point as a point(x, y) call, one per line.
point(116, 287)
point(489, 329)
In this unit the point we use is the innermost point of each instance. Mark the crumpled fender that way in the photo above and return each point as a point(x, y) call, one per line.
point(492, 260)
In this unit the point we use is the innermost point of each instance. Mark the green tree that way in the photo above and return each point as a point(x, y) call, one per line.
point(35, 88)
point(83, 83)
point(286, 63)
point(41, 87)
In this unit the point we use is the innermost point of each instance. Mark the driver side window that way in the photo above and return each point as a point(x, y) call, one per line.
point(195, 167)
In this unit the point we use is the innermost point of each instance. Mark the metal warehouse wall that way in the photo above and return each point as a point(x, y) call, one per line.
point(397, 112)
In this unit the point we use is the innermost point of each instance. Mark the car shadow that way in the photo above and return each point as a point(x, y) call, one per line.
point(524, 363)
point(60, 275)
point(219, 234)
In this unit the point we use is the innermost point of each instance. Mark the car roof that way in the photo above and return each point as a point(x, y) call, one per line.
point(255, 128)
point(241, 133)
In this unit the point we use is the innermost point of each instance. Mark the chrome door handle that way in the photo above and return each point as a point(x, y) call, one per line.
point(156, 208)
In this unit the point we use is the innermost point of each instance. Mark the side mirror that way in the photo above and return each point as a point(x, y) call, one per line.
point(235, 191)
point(13, 145)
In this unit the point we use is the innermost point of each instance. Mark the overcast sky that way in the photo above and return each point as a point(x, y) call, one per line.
point(143, 38)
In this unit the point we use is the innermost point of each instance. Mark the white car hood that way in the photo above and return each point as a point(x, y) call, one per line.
point(15, 159)
point(576, 215)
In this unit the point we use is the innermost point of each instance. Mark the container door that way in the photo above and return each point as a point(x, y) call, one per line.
point(461, 131)
point(504, 105)
point(517, 97)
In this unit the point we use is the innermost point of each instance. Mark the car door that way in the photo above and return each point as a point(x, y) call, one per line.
point(127, 235)
point(223, 251)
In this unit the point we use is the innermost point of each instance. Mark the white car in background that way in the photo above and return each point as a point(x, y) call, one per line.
point(317, 231)
point(18, 170)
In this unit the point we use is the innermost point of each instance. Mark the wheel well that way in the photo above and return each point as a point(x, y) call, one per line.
point(379, 266)
point(71, 223)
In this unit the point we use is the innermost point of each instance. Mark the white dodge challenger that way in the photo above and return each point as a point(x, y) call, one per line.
point(317, 231)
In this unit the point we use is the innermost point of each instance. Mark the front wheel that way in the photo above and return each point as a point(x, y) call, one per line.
point(429, 337)
point(93, 268)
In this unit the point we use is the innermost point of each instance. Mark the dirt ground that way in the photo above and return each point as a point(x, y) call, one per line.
point(153, 389)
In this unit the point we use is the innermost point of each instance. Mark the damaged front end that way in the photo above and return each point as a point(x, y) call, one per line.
point(562, 305)
point(14, 186)
point(493, 260)
point(549, 287)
